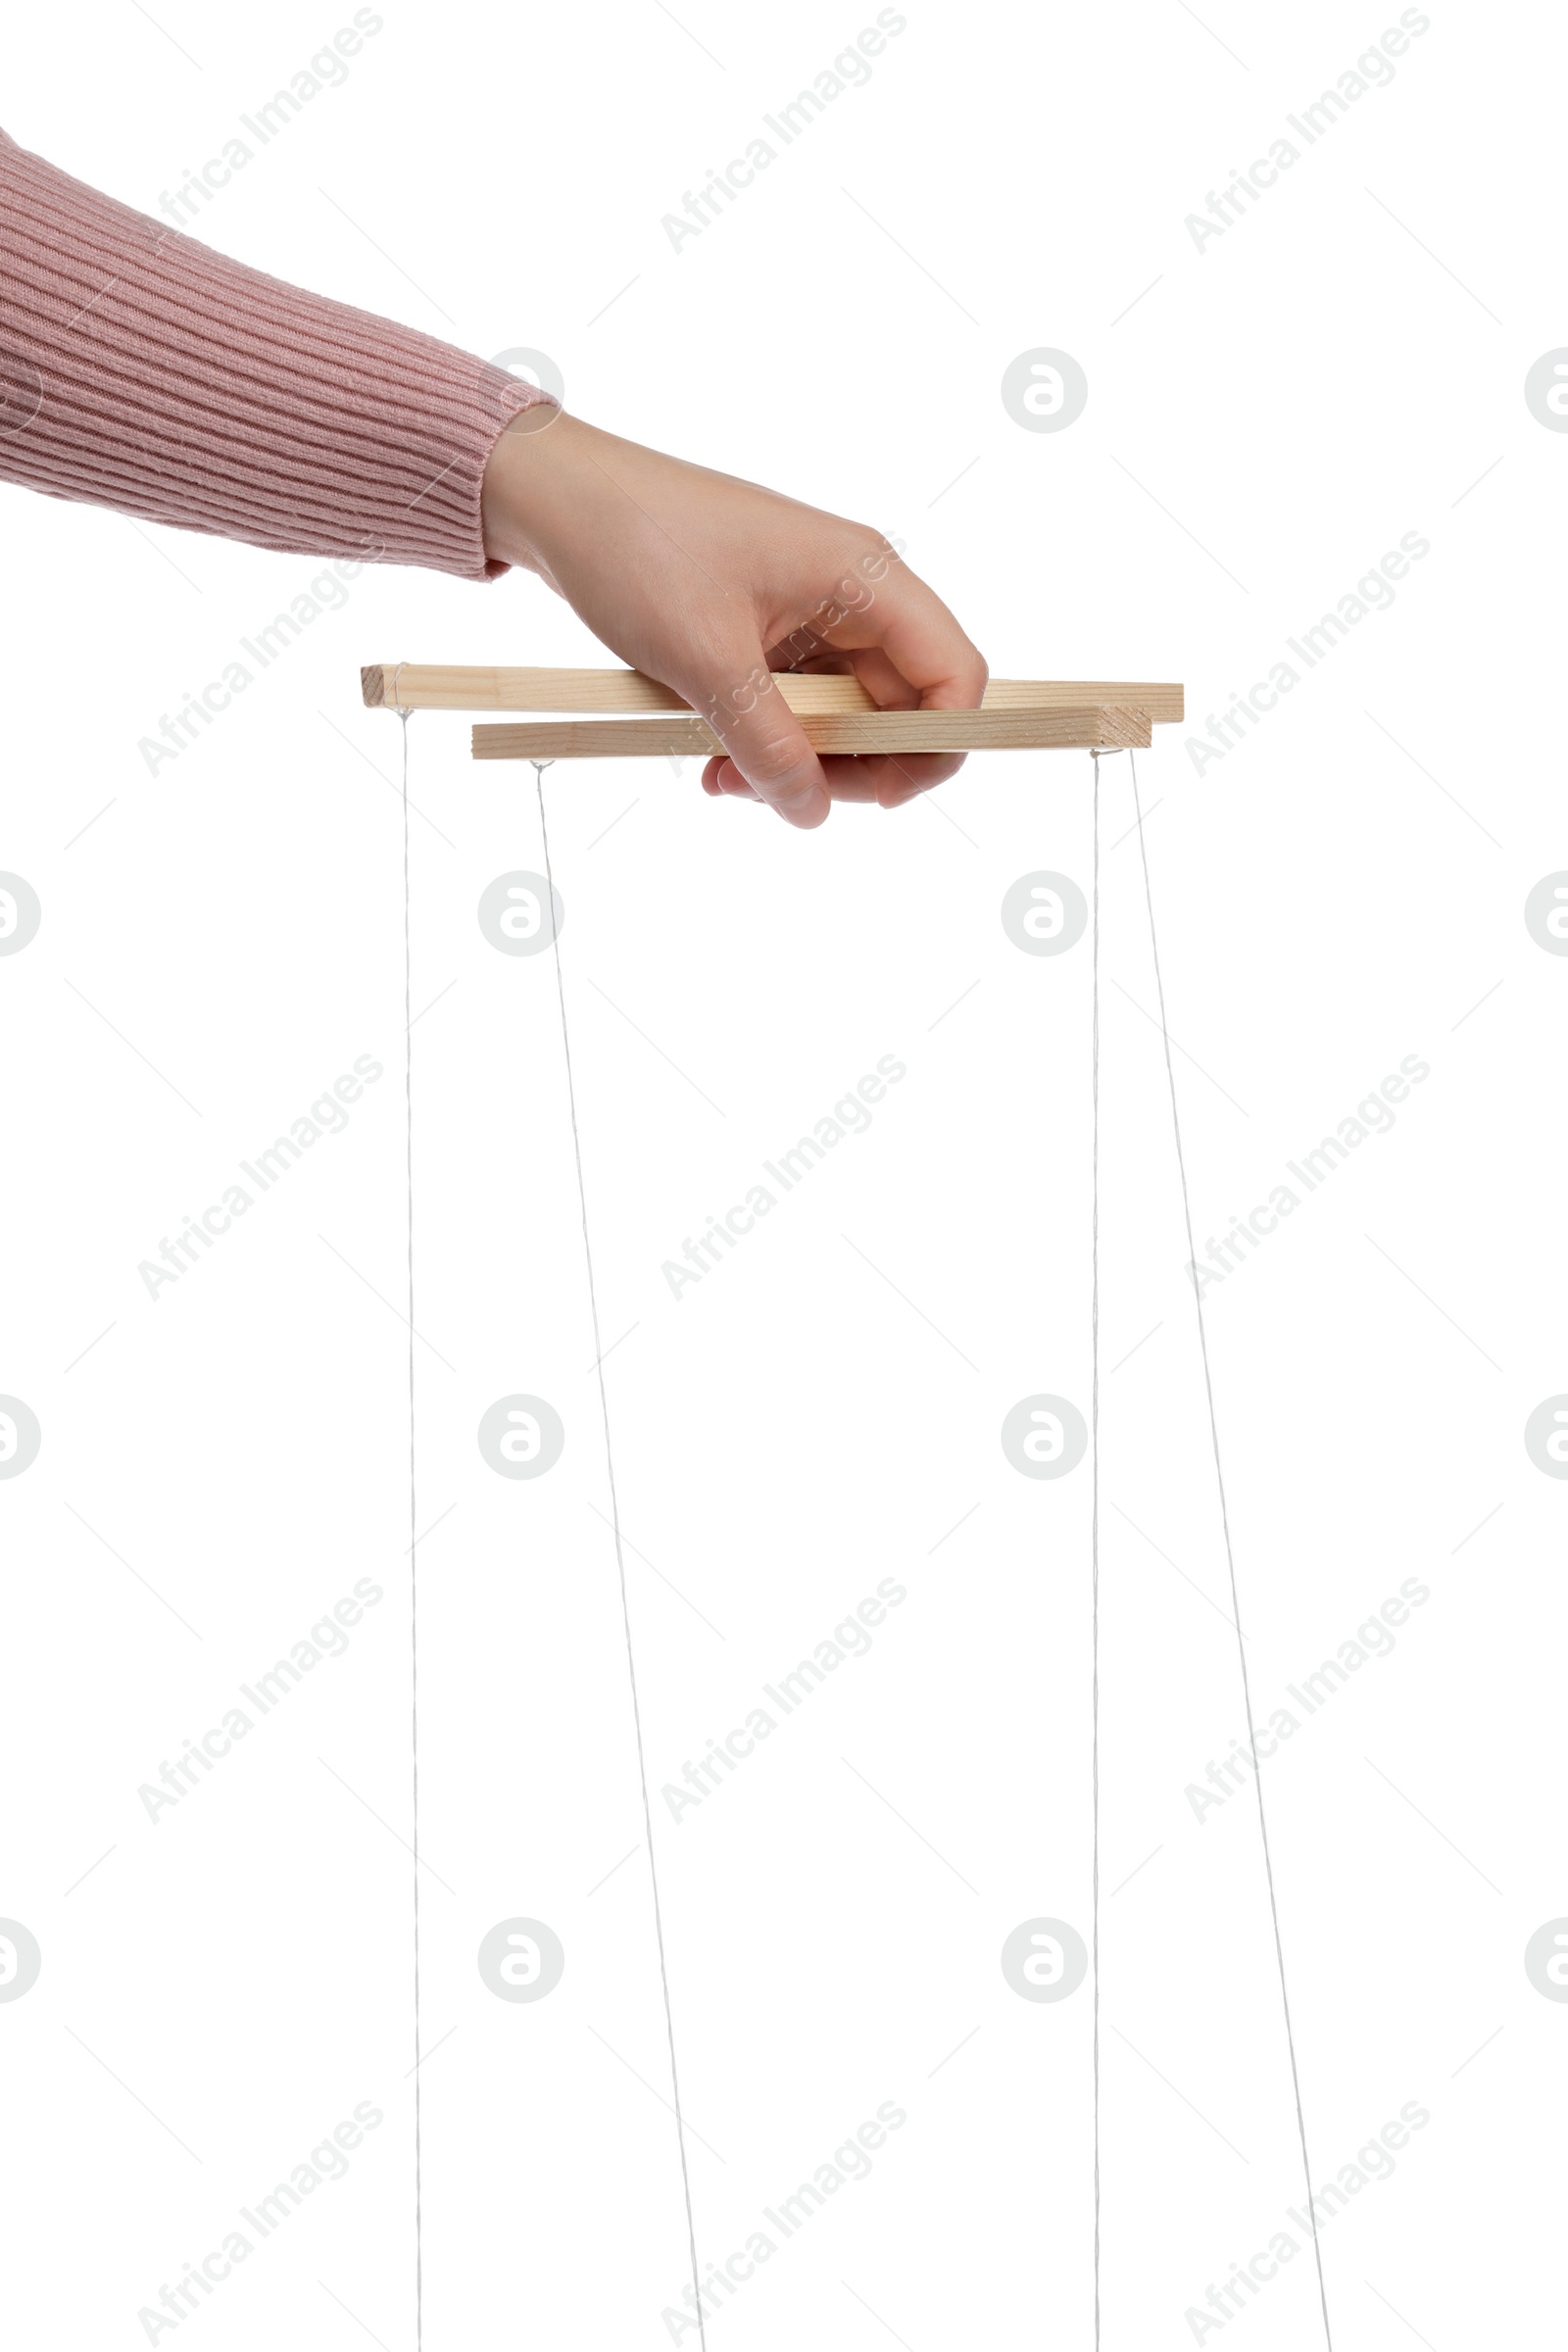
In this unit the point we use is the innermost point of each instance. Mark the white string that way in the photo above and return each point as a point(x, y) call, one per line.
point(414, 1523)
point(1230, 1562)
point(1094, 1513)
point(539, 767)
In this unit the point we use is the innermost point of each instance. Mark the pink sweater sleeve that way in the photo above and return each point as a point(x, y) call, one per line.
point(139, 370)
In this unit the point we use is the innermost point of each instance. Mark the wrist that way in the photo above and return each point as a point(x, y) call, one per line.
point(524, 493)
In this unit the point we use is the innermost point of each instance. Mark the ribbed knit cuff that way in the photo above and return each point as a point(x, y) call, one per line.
point(141, 370)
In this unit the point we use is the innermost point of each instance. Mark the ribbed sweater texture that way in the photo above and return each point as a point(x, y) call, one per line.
point(140, 369)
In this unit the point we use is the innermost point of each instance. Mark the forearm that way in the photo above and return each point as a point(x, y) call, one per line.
point(141, 370)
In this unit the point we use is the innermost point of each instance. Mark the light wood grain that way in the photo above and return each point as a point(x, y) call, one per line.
point(434, 686)
point(1103, 726)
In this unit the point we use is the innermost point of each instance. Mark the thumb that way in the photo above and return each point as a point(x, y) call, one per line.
point(764, 742)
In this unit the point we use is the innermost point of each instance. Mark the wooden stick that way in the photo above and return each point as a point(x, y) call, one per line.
point(434, 686)
point(1098, 727)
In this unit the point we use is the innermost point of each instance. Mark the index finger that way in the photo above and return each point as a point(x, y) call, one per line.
point(904, 619)
point(910, 653)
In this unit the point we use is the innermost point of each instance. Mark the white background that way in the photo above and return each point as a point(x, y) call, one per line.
point(1266, 416)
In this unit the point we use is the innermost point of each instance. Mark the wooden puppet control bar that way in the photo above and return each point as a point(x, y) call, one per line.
point(836, 712)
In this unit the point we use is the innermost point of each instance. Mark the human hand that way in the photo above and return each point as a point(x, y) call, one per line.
point(710, 584)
